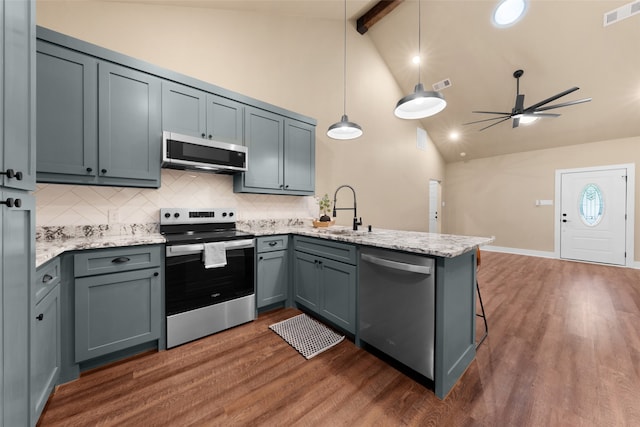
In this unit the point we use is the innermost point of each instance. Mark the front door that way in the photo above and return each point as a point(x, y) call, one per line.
point(434, 203)
point(593, 216)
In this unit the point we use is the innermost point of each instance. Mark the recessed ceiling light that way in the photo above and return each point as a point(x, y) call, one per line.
point(509, 12)
point(454, 136)
point(416, 59)
point(463, 154)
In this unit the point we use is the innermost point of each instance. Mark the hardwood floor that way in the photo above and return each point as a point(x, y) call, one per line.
point(563, 350)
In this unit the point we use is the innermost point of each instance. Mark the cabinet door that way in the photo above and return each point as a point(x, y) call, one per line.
point(224, 120)
point(17, 273)
point(265, 138)
point(130, 133)
point(116, 311)
point(272, 278)
point(45, 350)
point(299, 156)
point(67, 128)
point(184, 110)
point(17, 89)
point(338, 293)
point(305, 279)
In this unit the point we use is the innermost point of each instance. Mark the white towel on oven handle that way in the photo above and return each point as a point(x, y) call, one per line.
point(214, 255)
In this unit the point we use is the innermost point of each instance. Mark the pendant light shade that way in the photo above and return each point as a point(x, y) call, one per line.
point(421, 103)
point(344, 129)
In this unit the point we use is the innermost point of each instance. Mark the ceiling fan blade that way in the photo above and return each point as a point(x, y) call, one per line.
point(550, 99)
point(536, 114)
point(519, 103)
point(485, 120)
point(487, 127)
point(564, 104)
point(492, 112)
point(516, 122)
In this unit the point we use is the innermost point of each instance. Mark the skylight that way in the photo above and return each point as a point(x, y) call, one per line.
point(509, 12)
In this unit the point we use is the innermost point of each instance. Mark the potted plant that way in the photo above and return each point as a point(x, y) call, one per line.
point(325, 207)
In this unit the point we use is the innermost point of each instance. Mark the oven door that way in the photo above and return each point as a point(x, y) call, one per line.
point(189, 285)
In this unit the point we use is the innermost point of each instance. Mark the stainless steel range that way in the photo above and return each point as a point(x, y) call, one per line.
point(209, 273)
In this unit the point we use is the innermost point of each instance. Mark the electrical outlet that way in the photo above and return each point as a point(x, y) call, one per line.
point(114, 216)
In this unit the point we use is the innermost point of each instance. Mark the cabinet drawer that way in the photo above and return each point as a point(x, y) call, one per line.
point(272, 243)
point(47, 277)
point(101, 261)
point(326, 248)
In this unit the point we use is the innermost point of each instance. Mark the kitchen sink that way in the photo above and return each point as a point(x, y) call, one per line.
point(347, 232)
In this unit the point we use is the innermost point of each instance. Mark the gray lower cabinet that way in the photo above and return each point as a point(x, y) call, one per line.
point(45, 336)
point(197, 113)
point(325, 280)
point(98, 123)
point(272, 270)
point(119, 307)
point(281, 155)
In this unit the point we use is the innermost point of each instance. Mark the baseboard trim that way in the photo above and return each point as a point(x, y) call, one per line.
point(540, 254)
point(517, 251)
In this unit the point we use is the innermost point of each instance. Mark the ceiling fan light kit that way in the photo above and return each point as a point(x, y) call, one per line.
point(521, 115)
point(344, 129)
point(420, 103)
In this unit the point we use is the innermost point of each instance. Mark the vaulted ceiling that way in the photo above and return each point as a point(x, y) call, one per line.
point(559, 44)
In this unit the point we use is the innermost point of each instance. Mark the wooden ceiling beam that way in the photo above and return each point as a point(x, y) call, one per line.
point(375, 14)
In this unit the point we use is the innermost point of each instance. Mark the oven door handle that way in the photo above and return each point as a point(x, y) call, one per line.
point(179, 250)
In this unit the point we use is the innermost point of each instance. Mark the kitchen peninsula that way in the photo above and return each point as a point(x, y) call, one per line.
point(455, 265)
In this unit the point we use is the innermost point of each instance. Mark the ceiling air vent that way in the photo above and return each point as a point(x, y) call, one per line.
point(442, 85)
point(621, 13)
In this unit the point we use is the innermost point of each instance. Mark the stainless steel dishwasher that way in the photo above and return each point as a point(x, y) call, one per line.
point(397, 306)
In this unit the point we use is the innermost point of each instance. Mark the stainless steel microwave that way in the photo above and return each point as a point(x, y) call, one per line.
point(188, 152)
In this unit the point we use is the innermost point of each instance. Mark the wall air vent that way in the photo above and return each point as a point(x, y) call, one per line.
point(621, 13)
point(442, 85)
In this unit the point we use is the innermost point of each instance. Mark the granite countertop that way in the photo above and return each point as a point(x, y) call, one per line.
point(53, 241)
point(442, 245)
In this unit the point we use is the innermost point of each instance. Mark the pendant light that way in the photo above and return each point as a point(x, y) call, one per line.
point(420, 103)
point(344, 129)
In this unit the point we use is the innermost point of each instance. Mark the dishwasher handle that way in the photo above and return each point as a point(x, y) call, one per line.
point(412, 268)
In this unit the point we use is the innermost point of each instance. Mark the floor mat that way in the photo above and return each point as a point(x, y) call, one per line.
point(306, 335)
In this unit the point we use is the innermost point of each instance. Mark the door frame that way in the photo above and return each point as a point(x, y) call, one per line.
point(631, 217)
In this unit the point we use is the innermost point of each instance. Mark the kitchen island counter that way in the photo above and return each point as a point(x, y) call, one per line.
point(432, 244)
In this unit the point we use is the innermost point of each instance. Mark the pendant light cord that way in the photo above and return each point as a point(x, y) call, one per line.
point(419, 39)
point(344, 76)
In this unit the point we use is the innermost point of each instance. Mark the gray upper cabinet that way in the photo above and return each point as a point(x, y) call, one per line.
point(67, 102)
point(98, 123)
point(197, 113)
point(130, 132)
point(17, 150)
point(281, 155)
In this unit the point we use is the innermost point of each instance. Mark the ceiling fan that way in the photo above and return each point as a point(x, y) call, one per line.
point(534, 111)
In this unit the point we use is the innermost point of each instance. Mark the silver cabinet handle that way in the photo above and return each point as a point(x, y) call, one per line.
point(412, 268)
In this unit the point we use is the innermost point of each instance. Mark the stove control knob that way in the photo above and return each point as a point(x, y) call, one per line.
point(230, 214)
point(224, 214)
point(176, 215)
point(167, 215)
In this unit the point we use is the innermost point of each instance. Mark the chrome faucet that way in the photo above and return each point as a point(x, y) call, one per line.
point(356, 223)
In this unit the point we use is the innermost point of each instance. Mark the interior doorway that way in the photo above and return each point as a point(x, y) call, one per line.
point(593, 222)
point(435, 214)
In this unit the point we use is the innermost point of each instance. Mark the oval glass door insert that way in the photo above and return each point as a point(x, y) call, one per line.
point(591, 205)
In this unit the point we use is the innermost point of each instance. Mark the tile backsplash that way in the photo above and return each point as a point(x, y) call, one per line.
point(73, 205)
